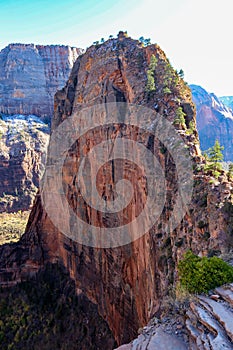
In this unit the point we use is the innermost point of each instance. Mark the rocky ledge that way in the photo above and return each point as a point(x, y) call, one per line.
point(207, 325)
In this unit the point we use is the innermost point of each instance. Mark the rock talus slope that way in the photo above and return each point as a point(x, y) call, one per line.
point(128, 282)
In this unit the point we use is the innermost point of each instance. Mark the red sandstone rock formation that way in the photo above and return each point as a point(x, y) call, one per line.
point(127, 282)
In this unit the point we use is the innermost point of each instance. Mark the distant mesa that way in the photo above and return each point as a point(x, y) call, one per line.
point(31, 74)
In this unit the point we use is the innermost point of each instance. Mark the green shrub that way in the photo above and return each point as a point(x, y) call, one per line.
point(166, 90)
point(199, 275)
point(180, 117)
point(191, 128)
point(230, 171)
point(150, 86)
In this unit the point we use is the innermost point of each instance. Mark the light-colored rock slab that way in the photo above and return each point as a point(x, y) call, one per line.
point(226, 294)
point(222, 314)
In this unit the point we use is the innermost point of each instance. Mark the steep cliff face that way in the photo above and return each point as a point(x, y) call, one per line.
point(31, 74)
point(29, 77)
point(126, 282)
point(23, 147)
point(214, 121)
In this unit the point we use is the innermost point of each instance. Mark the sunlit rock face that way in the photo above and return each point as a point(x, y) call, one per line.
point(214, 121)
point(23, 148)
point(127, 282)
point(29, 77)
point(31, 74)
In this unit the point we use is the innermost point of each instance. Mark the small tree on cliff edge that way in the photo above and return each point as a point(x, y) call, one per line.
point(214, 158)
point(230, 171)
point(150, 86)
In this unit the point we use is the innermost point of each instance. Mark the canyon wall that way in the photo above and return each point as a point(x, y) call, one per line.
point(31, 74)
point(29, 77)
point(127, 282)
point(23, 149)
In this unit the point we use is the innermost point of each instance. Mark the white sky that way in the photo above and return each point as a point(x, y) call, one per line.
point(195, 34)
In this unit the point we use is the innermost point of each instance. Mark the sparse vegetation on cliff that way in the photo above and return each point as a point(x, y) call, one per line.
point(150, 86)
point(199, 275)
point(214, 157)
point(145, 42)
point(230, 171)
point(191, 128)
point(180, 117)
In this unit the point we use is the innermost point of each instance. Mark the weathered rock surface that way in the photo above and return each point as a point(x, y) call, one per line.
point(155, 338)
point(207, 326)
point(128, 282)
point(29, 77)
point(23, 148)
point(209, 322)
point(31, 74)
point(214, 121)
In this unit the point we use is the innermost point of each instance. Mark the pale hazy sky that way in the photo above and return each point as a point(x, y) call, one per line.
point(195, 34)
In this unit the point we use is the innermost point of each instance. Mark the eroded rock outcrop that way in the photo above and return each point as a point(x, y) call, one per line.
point(128, 282)
point(206, 325)
point(31, 74)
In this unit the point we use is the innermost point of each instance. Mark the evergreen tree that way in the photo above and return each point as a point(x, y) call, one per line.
point(230, 171)
point(214, 158)
point(153, 62)
point(181, 73)
point(180, 117)
point(150, 86)
point(144, 41)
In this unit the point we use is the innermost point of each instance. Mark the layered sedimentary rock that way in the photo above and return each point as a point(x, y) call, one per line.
point(214, 121)
point(29, 77)
point(23, 148)
point(31, 74)
point(127, 282)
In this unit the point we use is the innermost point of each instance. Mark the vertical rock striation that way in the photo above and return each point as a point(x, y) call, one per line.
point(31, 74)
point(127, 282)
